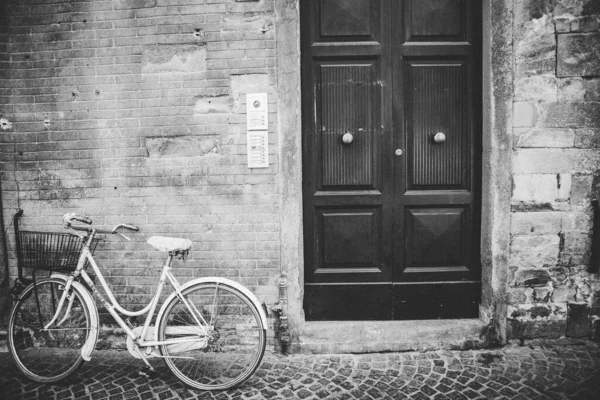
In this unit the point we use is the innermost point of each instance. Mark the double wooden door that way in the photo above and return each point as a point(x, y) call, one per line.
point(391, 158)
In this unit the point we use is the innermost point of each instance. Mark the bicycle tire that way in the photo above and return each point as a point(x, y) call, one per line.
point(52, 355)
point(233, 349)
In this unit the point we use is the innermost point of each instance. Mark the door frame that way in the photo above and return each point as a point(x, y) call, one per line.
point(497, 95)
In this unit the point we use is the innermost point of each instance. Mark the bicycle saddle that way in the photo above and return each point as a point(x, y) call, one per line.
point(168, 244)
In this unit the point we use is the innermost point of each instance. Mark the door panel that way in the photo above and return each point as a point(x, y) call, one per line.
point(346, 184)
point(390, 209)
point(436, 20)
point(347, 102)
point(435, 99)
point(343, 230)
point(436, 237)
point(347, 20)
point(348, 302)
point(436, 300)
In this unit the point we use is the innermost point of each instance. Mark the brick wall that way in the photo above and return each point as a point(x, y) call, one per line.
point(134, 111)
point(556, 168)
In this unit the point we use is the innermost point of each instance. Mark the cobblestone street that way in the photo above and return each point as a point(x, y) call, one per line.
point(526, 372)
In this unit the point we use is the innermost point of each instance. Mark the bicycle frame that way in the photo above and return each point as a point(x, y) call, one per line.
point(114, 308)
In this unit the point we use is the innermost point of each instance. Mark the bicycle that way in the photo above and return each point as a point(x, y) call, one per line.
point(211, 332)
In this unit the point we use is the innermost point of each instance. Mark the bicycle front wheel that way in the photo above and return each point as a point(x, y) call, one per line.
point(48, 355)
point(220, 354)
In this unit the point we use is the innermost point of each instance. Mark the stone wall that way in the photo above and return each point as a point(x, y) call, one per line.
point(556, 168)
point(134, 111)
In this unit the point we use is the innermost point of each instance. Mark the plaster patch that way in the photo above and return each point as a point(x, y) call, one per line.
point(182, 146)
point(173, 59)
point(5, 124)
point(212, 105)
point(247, 83)
point(247, 22)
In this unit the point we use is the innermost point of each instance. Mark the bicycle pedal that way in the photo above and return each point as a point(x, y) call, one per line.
point(148, 373)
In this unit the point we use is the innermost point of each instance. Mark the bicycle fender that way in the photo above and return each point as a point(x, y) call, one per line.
point(241, 288)
point(90, 343)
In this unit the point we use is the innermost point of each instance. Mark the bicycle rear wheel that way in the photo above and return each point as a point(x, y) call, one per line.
point(48, 355)
point(234, 343)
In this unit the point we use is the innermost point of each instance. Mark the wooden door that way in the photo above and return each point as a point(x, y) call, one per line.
point(391, 156)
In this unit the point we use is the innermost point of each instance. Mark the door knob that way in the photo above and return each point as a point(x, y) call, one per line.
point(439, 137)
point(347, 138)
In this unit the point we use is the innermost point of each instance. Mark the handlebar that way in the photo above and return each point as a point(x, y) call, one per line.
point(69, 218)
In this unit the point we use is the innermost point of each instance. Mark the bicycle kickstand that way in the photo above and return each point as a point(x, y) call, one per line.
point(147, 371)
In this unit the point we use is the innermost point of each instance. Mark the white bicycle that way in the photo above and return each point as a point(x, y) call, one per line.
point(211, 332)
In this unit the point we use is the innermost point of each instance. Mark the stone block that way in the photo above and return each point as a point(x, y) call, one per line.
point(569, 115)
point(534, 251)
point(524, 114)
point(595, 329)
point(537, 87)
point(561, 294)
point(532, 277)
point(578, 54)
point(548, 137)
point(576, 8)
point(535, 329)
point(564, 182)
point(519, 295)
point(581, 189)
point(527, 321)
point(541, 294)
point(536, 223)
point(577, 221)
point(535, 39)
point(165, 59)
point(591, 90)
point(532, 67)
point(540, 161)
point(587, 138)
point(584, 160)
point(575, 248)
point(571, 89)
point(578, 320)
point(535, 188)
point(184, 146)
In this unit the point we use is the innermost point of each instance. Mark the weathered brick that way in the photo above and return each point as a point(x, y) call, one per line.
point(112, 75)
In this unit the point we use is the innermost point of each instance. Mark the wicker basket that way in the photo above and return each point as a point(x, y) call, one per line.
point(49, 251)
point(44, 251)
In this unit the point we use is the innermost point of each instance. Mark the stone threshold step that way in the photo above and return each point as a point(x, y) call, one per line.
point(389, 336)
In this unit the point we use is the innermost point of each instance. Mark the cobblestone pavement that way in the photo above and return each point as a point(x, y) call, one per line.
point(549, 372)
